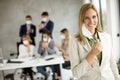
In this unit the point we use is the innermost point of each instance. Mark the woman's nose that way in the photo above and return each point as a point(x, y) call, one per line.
point(91, 21)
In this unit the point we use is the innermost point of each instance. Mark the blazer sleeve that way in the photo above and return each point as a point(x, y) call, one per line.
point(49, 27)
point(51, 48)
point(113, 63)
point(32, 50)
point(40, 49)
point(22, 31)
point(114, 68)
point(79, 67)
point(21, 51)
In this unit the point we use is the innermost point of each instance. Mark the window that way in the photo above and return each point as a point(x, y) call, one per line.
point(101, 7)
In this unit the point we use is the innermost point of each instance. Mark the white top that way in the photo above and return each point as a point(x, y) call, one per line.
point(23, 53)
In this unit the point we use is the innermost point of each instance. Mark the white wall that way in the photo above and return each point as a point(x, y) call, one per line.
point(64, 13)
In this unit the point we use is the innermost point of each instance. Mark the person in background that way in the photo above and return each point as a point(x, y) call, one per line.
point(46, 24)
point(46, 47)
point(90, 51)
point(26, 50)
point(28, 29)
point(65, 36)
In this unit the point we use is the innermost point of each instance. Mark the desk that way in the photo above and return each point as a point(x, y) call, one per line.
point(34, 61)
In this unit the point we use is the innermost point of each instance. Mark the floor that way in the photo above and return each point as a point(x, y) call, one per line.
point(37, 76)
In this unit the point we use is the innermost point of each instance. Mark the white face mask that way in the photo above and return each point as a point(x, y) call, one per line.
point(45, 39)
point(25, 42)
point(62, 36)
point(86, 32)
point(28, 22)
point(44, 19)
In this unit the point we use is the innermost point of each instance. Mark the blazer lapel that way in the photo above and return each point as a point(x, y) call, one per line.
point(87, 46)
point(103, 46)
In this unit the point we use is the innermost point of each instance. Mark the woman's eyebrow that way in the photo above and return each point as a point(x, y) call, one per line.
point(86, 17)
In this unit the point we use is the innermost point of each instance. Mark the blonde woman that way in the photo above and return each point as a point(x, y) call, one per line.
point(65, 36)
point(26, 50)
point(91, 50)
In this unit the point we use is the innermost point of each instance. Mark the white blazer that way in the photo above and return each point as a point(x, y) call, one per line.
point(81, 68)
point(23, 53)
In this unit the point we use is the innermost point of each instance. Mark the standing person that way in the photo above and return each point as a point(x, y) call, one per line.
point(46, 47)
point(91, 50)
point(29, 29)
point(65, 36)
point(26, 50)
point(46, 24)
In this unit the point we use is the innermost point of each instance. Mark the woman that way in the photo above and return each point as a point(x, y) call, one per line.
point(91, 50)
point(25, 51)
point(64, 47)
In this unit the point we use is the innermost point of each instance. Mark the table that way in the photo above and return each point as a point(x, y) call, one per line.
point(33, 61)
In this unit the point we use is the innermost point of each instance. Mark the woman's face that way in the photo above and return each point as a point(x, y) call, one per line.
point(91, 20)
point(62, 35)
point(25, 41)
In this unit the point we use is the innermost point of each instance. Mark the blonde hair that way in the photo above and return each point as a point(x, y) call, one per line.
point(82, 12)
point(27, 37)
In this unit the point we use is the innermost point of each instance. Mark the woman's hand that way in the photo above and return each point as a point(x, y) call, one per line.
point(96, 49)
point(58, 46)
point(28, 46)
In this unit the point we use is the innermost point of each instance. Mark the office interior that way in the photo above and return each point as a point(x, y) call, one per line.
point(64, 14)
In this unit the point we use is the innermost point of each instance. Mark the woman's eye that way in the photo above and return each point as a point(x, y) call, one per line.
point(86, 18)
point(94, 17)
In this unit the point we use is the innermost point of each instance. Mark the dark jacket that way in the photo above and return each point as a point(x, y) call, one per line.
point(49, 26)
point(23, 31)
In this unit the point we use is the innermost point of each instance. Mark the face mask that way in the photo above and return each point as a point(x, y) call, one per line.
point(45, 39)
point(44, 19)
point(86, 32)
point(28, 22)
point(25, 42)
point(62, 37)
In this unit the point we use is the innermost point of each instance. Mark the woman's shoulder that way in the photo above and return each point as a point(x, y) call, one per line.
point(105, 34)
point(73, 40)
point(21, 45)
point(32, 46)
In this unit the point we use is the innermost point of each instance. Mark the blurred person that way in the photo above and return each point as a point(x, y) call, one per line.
point(65, 36)
point(28, 29)
point(46, 47)
point(46, 23)
point(26, 50)
point(90, 51)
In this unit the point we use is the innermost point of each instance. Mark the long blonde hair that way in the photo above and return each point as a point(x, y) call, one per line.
point(82, 12)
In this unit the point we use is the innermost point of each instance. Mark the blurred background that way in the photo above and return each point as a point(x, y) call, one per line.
point(64, 14)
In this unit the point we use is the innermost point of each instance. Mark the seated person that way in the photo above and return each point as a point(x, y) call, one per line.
point(26, 50)
point(46, 47)
point(64, 47)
